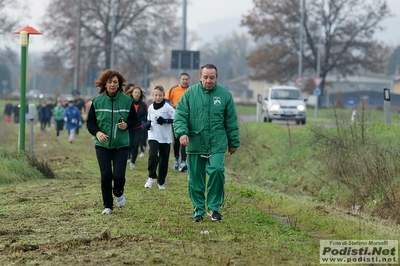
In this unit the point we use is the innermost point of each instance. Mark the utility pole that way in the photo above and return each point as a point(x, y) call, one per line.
point(320, 41)
point(78, 49)
point(319, 54)
point(300, 70)
point(184, 26)
point(112, 33)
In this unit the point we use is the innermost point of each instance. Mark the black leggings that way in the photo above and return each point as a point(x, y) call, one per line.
point(135, 136)
point(158, 156)
point(177, 147)
point(112, 163)
point(59, 126)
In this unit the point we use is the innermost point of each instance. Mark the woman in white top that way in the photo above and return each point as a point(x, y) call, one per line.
point(160, 117)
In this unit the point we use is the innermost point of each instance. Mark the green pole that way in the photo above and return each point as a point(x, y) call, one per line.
point(24, 46)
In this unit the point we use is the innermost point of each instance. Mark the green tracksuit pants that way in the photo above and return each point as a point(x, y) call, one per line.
point(213, 196)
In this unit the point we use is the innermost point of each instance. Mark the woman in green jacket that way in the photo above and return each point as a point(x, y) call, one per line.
point(110, 117)
point(58, 113)
point(206, 115)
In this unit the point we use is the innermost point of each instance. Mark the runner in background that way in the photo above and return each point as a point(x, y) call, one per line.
point(173, 96)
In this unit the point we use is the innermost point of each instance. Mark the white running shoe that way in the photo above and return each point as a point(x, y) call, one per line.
point(141, 154)
point(107, 211)
point(150, 182)
point(121, 201)
point(182, 167)
point(132, 166)
point(161, 186)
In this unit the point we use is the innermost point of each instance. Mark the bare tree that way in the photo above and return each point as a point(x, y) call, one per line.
point(142, 30)
point(229, 54)
point(8, 56)
point(393, 67)
point(8, 23)
point(348, 44)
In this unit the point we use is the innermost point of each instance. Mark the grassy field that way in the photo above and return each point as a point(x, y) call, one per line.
point(330, 116)
point(270, 215)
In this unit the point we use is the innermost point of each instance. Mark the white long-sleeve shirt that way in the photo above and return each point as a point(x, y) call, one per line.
point(160, 133)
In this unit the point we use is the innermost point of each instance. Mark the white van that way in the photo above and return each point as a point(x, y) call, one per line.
point(284, 103)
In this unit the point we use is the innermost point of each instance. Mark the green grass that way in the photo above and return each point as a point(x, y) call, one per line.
point(273, 212)
point(329, 116)
point(246, 109)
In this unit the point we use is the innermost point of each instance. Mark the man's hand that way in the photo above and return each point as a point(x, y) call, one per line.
point(232, 150)
point(148, 126)
point(184, 140)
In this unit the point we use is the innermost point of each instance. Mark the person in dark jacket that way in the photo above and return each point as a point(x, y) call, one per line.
point(206, 115)
point(137, 132)
point(16, 113)
point(8, 109)
point(143, 141)
point(111, 116)
point(80, 103)
point(44, 115)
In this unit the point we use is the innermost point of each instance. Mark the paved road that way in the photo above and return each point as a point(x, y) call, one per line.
point(251, 118)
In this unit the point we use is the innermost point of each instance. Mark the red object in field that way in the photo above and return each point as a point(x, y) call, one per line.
point(28, 29)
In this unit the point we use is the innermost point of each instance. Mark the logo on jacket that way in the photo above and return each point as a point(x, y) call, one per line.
point(217, 101)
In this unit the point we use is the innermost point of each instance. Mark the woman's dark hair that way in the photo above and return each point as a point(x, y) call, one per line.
point(106, 76)
point(129, 90)
point(128, 86)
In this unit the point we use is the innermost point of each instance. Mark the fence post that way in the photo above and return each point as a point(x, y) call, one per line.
point(386, 106)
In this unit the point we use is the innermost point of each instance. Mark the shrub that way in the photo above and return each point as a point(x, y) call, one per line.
point(362, 157)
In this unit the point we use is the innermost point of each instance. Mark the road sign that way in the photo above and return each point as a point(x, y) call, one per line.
point(299, 81)
point(317, 91)
point(182, 59)
point(317, 81)
point(91, 75)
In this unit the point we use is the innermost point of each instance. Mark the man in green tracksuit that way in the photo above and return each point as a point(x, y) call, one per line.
point(206, 123)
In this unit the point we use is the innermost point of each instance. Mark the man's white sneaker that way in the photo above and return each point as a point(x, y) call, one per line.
point(107, 211)
point(183, 167)
point(150, 182)
point(161, 186)
point(121, 201)
point(132, 166)
point(141, 154)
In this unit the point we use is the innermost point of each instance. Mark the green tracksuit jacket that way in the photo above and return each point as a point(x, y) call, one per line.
point(209, 118)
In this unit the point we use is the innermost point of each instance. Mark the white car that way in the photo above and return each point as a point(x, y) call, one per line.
point(284, 103)
point(34, 94)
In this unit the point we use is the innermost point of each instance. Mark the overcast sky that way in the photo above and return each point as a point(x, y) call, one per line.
point(200, 13)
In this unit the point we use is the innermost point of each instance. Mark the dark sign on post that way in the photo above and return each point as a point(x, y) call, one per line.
point(185, 59)
point(91, 75)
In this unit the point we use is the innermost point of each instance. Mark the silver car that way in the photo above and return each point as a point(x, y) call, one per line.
point(284, 103)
